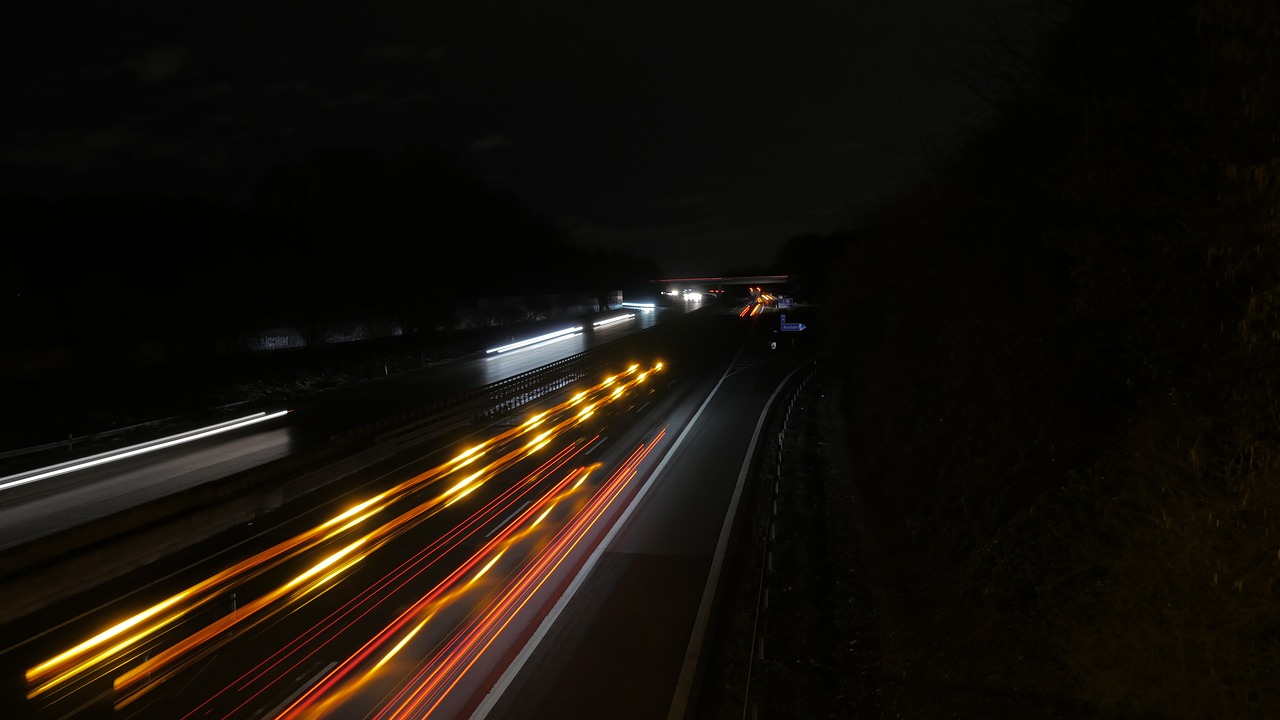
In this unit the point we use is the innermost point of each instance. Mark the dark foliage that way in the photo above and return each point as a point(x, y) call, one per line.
point(806, 260)
point(1061, 389)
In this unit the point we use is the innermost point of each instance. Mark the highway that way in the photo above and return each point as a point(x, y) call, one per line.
point(628, 643)
point(30, 510)
point(557, 563)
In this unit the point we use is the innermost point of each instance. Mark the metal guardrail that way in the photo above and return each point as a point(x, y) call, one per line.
point(488, 402)
point(58, 566)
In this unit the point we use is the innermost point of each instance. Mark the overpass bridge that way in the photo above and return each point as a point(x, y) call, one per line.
point(715, 284)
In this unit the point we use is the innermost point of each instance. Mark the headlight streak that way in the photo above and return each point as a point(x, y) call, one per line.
point(612, 321)
point(108, 647)
point(102, 637)
point(343, 618)
point(541, 339)
point(331, 685)
point(424, 693)
point(156, 669)
point(539, 440)
point(480, 573)
point(196, 646)
point(463, 486)
point(408, 636)
point(59, 669)
point(215, 585)
point(440, 674)
point(134, 450)
point(54, 672)
point(538, 520)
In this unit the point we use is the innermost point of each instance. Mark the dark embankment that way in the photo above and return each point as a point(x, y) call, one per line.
point(1062, 383)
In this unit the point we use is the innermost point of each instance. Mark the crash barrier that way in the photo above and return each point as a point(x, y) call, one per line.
point(58, 566)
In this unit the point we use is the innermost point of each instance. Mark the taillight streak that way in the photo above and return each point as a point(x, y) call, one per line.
point(424, 606)
point(405, 573)
point(424, 693)
point(109, 647)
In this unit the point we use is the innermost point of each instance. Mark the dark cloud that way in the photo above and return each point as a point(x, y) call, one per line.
point(162, 63)
point(778, 119)
point(395, 52)
point(490, 142)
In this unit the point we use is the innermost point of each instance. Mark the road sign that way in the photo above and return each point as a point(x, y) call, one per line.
point(790, 327)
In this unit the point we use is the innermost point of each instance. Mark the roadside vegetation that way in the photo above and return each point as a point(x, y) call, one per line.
point(1050, 406)
point(1060, 384)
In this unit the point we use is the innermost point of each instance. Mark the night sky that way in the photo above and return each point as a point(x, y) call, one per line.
point(704, 134)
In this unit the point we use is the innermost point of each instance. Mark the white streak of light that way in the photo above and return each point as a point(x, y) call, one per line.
point(44, 474)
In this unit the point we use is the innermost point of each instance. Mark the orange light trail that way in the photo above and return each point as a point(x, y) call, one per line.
point(427, 604)
point(429, 689)
point(346, 616)
point(111, 645)
point(440, 675)
point(160, 667)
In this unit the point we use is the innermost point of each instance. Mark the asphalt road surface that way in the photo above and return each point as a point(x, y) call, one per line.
point(31, 510)
point(571, 574)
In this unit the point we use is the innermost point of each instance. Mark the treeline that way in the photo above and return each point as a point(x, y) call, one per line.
point(1062, 387)
point(341, 235)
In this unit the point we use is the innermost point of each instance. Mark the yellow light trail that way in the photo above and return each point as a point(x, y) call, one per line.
point(424, 694)
point(109, 644)
point(324, 700)
point(341, 681)
point(374, 593)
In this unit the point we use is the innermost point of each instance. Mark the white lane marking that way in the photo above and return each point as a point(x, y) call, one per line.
point(495, 693)
point(684, 686)
point(507, 519)
point(305, 687)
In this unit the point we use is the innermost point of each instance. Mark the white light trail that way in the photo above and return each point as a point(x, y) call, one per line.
point(557, 335)
point(45, 473)
point(611, 321)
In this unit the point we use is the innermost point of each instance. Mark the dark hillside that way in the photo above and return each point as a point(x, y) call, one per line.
point(1062, 402)
point(128, 307)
